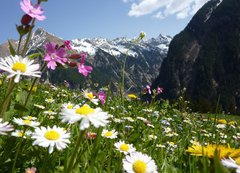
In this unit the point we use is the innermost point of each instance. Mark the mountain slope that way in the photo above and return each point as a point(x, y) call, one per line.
point(204, 59)
point(106, 56)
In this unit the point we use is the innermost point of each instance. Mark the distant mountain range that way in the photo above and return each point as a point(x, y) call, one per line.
point(204, 60)
point(106, 56)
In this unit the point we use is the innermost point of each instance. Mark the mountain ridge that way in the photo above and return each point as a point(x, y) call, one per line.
point(106, 56)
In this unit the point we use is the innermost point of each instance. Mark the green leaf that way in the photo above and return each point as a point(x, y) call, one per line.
point(12, 51)
point(32, 56)
point(44, 0)
point(20, 107)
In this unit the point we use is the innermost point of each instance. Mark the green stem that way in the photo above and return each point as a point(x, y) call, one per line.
point(123, 70)
point(75, 152)
point(27, 40)
point(19, 43)
point(33, 84)
point(17, 152)
point(7, 98)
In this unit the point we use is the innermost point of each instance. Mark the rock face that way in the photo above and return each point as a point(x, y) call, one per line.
point(204, 59)
point(106, 56)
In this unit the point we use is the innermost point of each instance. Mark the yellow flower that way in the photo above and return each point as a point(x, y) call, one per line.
point(222, 121)
point(132, 96)
point(232, 122)
point(209, 151)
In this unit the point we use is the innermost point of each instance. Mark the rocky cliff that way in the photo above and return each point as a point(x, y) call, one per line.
point(204, 59)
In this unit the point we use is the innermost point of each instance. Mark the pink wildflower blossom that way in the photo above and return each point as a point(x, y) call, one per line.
point(30, 170)
point(102, 97)
point(83, 69)
point(54, 55)
point(159, 90)
point(34, 11)
point(91, 135)
point(67, 43)
point(148, 89)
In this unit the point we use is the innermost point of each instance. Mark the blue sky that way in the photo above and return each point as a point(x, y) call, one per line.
point(71, 19)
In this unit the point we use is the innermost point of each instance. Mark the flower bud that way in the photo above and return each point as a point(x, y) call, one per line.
point(72, 64)
point(74, 56)
point(27, 28)
point(142, 35)
point(26, 19)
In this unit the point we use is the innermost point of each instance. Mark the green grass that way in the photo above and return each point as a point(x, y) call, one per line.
point(158, 130)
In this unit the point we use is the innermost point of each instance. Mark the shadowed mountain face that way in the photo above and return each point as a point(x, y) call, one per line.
point(106, 57)
point(205, 59)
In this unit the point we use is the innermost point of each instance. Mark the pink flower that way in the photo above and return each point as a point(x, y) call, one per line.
point(67, 43)
point(83, 69)
point(159, 90)
point(30, 170)
point(102, 97)
point(148, 89)
point(54, 55)
point(33, 11)
point(91, 135)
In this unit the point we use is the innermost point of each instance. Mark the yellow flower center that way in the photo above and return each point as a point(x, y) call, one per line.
point(69, 106)
point(139, 166)
point(84, 110)
point(90, 95)
point(108, 134)
point(237, 160)
point(52, 135)
point(124, 147)
point(29, 117)
point(28, 122)
point(20, 134)
point(18, 66)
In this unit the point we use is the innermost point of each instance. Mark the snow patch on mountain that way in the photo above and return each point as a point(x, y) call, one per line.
point(119, 46)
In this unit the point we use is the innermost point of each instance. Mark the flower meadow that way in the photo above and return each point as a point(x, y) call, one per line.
point(47, 128)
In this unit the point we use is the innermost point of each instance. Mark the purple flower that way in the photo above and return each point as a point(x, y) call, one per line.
point(67, 43)
point(83, 69)
point(33, 11)
point(54, 55)
point(102, 97)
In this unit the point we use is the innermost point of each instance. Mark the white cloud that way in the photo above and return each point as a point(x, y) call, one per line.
point(163, 8)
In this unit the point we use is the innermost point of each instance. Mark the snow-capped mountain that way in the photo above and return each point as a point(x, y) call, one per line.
point(106, 56)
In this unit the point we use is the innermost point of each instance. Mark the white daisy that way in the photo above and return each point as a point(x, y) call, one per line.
point(26, 122)
point(49, 100)
point(50, 137)
point(139, 163)
point(124, 148)
point(230, 163)
point(5, 127)
point(68, 105)
point(86, 114)
point(29, 118)
point(39, 106)
point(17, 66)
point(21, 133)
point(50, 112)
point(90, 96)
point(109, 134)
